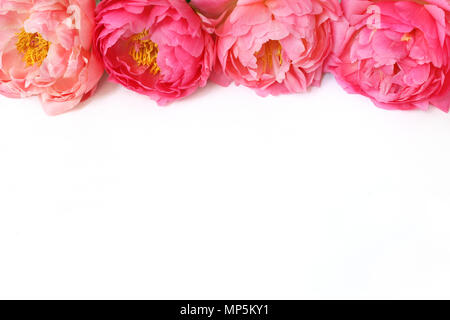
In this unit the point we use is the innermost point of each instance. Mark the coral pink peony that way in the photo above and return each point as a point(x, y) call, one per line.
point(45, 50)
point(154, 47)
point(276, 46)
point(395, 52)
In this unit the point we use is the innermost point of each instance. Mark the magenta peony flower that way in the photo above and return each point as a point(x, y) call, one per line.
point(276, 46)
point(213, 8)
point(154, 47)
point(45, 50)
point(395, 52)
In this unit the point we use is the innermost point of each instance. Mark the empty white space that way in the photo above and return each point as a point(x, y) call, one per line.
point(224, 195)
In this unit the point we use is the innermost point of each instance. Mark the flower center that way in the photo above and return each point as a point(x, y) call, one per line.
point(144, 51)
point(33, 46)
point(406, 37)
point(269, 53)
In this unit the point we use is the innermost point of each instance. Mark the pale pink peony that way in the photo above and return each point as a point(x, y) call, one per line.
point(276, 46)
point(154, 47)
point(45, 50)
point(395, 52)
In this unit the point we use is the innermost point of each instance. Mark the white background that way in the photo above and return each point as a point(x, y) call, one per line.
point(224, 195)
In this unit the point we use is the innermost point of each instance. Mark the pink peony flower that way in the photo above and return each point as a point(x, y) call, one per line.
point(154, 47)
point(395, 52)
point(213, 8)
point(45, 50)
point(276, 46)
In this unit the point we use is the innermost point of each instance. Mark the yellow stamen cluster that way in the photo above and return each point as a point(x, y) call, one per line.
point(144, 51)
point(265, 55)
point(33, 47)
point(406, 37)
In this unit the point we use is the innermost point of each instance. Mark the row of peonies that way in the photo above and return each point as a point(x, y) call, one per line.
point(395, 52)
